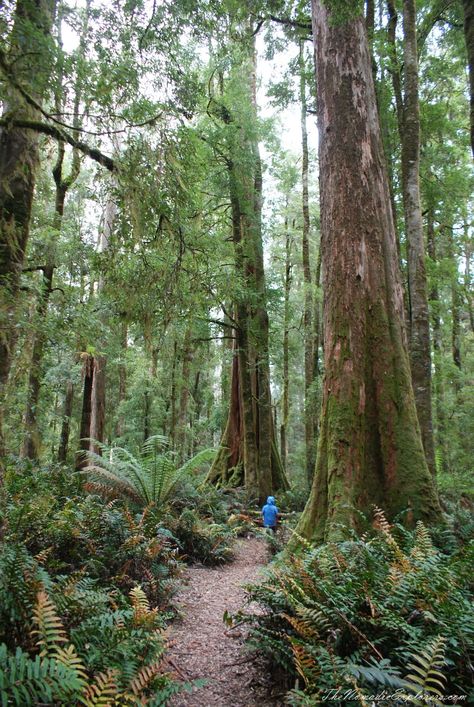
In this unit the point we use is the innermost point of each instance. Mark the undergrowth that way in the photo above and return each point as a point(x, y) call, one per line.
point(387, 612)
point(86, 581)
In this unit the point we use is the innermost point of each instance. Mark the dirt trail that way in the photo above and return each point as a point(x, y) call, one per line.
point(202, 646)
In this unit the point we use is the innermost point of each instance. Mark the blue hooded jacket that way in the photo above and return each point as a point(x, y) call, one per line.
point(270, 513)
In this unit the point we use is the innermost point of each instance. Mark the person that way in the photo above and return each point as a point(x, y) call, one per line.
point(270, 514)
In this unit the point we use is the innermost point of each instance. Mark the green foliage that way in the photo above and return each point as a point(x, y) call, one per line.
point(385, 610)
point(147, 479)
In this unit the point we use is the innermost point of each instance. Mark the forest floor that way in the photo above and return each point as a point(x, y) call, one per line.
point(201, 645)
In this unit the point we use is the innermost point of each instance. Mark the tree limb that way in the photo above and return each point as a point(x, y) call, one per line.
point(59, 134)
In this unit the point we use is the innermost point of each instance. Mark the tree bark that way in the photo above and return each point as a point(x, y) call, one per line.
point(85, 427)
point(182, 429)
point(263, 471)
point(19, 160)
point(285, 407)
point(468, 8)
point(370, 448)
point(31, 440)
point(309, 411)
point(420, 347)
point(122, 371)
point(66, 423)
point(442, 437)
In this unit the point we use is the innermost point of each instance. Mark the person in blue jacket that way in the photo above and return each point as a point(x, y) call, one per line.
point(270, 514)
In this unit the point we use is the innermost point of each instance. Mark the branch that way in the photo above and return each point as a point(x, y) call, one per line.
point(59, 134)
point(290, 23)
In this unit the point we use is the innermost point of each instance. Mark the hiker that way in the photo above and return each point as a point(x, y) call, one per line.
point(270, 514)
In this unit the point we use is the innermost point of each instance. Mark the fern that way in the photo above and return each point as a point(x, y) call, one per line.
point(103, 692)
point(147, 479)
point(143, 680)
point(24, 681)
point(426, 676)
point(50, 630)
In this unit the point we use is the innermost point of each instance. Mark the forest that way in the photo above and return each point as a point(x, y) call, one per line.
point(236, 254)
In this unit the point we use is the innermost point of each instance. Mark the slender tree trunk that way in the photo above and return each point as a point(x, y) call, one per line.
point(66, 423)
point(285, 408)
point(173, 394)
point(438, 381)
point(455, 305)
point(370, 447)
point(468, 245)
point(182, 430)
point(468, 8)
point(19, 161)
point(100, 361)
point(122, 371)
point(86, 414)
point(31, 441)
point(420, 348)
point(146, 416)
point(309, 412)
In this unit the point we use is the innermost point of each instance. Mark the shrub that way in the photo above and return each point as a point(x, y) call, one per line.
point(354, 614)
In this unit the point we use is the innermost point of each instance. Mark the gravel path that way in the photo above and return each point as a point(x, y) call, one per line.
point(202, 646)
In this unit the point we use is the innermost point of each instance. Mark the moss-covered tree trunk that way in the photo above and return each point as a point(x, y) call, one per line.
point(285, 398)
point(31, 441)
point(19, 161)
point(86, 411)
point(419, 345)
point(66, 422)
point(262, 468)
point(310, 417)
point(370, 449)
point(468, 7)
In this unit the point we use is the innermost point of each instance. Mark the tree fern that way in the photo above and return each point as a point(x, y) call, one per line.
point(146, 479)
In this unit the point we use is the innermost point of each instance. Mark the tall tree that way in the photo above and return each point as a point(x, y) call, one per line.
point(468, 8)
point(27, 60)
point(258, 457)
point(370, 448)
point(310, 416)
point(408, 117)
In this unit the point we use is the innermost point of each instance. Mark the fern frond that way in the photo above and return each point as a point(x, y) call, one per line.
point(303, 628)
point(139, 599)
point(103, 692)
point(68, 657)
point(423, 546)
point(50, 630)
point(145, 677)
point(426, 675)
point(305, 664)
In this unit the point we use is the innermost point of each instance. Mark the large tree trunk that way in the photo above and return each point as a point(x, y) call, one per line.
point(370, 448)
point(420, 348)
point(19, 161)
point(468, 7)
point(263, 471)
point(227, 468)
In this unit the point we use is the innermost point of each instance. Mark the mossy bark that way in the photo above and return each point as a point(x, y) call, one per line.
point(370, 449)
point(259, 455)
point(19, 161)
point(468, 8)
